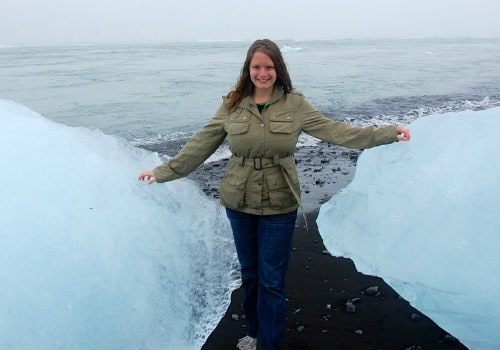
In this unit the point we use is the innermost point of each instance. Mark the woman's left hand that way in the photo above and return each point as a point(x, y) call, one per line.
point(147, 175)
point(403, 133)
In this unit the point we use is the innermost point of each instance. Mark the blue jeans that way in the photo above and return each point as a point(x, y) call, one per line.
point(263, 244)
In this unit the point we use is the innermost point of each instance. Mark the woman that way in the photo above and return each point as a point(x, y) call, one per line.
point(262, 119)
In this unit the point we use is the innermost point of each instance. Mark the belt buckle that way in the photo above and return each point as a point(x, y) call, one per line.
point(257, 163)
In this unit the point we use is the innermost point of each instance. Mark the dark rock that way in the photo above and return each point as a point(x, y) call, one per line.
point(350, 308)
point(450, 339)
point(372, 291)
point(319, 182)
point(327, 317)
point(415, 317)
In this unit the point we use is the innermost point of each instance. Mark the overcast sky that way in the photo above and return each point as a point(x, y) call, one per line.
point(130, 21)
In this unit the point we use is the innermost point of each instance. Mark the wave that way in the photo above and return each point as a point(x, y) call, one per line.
point(425, 110)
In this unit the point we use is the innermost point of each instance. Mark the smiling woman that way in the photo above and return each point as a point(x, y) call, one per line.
point(262, 119)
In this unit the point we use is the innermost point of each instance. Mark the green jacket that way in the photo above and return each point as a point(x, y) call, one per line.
point(261, 177)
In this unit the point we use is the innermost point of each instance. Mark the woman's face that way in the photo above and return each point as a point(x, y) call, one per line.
point(262, 72)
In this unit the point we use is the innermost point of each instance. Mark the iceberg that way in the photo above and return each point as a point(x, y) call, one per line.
point(424, 216)
point(92, 258)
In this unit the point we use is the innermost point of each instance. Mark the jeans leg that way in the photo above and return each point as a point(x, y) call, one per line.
point(275, 242)
point(244, 228)
point(263, 245)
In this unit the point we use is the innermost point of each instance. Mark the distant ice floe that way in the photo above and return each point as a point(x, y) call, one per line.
point(286, 49)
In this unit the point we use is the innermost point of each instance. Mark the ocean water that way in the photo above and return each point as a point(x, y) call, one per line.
point(157, 95)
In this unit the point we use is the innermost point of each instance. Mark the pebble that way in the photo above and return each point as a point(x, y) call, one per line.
point(300, 329)
point(358, 331)
point(415, 317)
point(327, 317)
point(350, 308)
point(319, 182)
point(372, 291)
point(450, 339)
point(235, 317)
point(325, 252)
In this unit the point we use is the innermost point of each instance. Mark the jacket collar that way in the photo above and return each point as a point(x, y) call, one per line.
point(277, 94)
point(249, 104)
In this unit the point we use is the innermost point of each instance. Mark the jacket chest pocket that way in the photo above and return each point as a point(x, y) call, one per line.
point(237, 128)
point(282, 124)
point(237, 123)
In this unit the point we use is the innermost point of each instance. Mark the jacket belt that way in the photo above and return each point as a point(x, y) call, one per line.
point(259, 163)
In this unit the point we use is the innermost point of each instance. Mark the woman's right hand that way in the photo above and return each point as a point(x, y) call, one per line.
point(403, 133)
point(147, 175)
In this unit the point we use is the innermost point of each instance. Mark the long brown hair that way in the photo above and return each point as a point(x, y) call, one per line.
point(244, 86)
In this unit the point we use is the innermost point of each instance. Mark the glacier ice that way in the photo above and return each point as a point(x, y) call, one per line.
point(91, 258)
point(425, 216)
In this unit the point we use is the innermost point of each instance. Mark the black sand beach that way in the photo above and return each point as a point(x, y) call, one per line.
point(331, 305)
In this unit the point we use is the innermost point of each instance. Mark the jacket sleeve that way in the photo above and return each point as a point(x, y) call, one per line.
point(342, 133)
point(195, 151)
